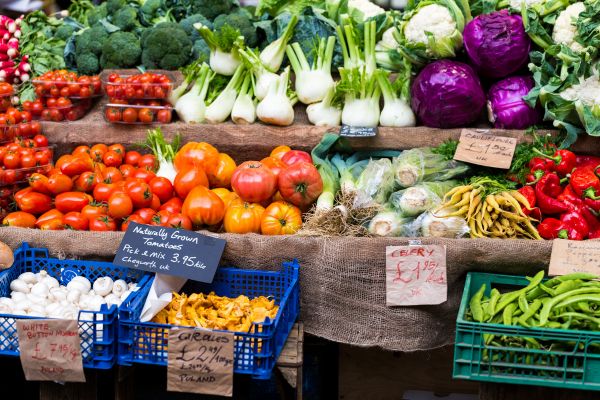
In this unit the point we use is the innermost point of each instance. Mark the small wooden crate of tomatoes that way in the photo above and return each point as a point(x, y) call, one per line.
point(63, 96)
point(138, 98)
point(15, 124)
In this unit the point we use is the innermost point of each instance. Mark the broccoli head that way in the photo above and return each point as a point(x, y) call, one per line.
point(242, 23)
point(125, 18)
point(165, 46)
point(213, 8)
point(96, 14)
point(87, 63)
point(64, 32)
point(200, 51)
point(121, 49)
point(91, 40)
point(112, 6)
point(188, 25)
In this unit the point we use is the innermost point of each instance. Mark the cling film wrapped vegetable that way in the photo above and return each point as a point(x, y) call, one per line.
point(375, 184)
point(390, 223)
point(421, 197)
point(429, 225)
point(422, 164)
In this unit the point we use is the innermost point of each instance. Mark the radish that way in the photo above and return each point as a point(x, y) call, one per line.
point(6, 64)
point(7, 73)
point(11, 49)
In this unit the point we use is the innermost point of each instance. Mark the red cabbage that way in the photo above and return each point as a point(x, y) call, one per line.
point(506, 107)
point(497, 44)
point(447, 94)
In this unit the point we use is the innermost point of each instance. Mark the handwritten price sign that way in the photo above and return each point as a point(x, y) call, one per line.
point(483, 148)
point(415, 275)
point(570, 256)
point(200, 361)
point(50, 350)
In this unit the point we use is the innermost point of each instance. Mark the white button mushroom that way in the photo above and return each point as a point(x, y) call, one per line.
point(19, 285)
point(28, 277)
point(119, 287)
point(40, 289)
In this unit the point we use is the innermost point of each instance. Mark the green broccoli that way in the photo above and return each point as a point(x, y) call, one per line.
point(165, 46)
point(213, 8)
point(121, 49)
point(125, 18)
point(152, 13)
point(112, 6)
point(243, 23)
point(87, 63)
point(201, 51)
point(96, 14)
point(188, 25)
point(91, 40)
point(64, 32)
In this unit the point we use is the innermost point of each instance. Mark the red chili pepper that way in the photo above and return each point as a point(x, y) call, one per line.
point(587, 161)
point(590, 218)
point(585, 182)
point(549, 228)
point(569, 197)
point(546, 191)
point(575, 224)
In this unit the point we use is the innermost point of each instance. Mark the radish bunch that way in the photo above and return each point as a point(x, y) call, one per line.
point(13, 69)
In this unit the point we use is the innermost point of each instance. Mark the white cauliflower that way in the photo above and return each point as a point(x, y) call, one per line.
point(365, 7)
point(387, 42)
point(587, 91)
point(565, 28)
point(516, 4)
point(434, 19)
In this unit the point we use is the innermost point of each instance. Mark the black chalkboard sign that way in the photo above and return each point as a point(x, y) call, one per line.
point(357, 131)
point(170, 251)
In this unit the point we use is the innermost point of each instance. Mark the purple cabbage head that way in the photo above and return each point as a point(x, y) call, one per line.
point(506, 107)
point(447, 94)
point(497, 44)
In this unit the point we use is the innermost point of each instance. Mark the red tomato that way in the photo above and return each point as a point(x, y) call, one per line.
point(144, 175)
point(146, 214)
point(48, 216)
point(119, 148)
point(94, 209)
point(19, 219)
point(140, 194)
point(295, 156)
point(164, 116)
point(59, 183)
point(148, 161)
point(12, 160)
point(203, 207)
point(162, 187)
point(39, 183)
point(40, 141)
point(28, 161)
point(113, 114)
point(103, 223)
point(127, 170)
point(85, 150)
point(33, 202)
point(120, 205)
point(300, 184)
point(85, 182)
point(76, 221)
point(254, 182)
point(112, 175)
point(146, 115)
point(179, 221)
point(161, 218)
point(173, 205)
point(112, 159)
point(132, 218)
point(130, 115)
point(72, 201)
point(132, 158)
point(188, 179)
point(103, 191)
point(155, 205)
point(97, 152)
point(73, 165)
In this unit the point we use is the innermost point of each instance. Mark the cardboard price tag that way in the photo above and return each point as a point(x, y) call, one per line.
point(200, 361)
point(170, 251)
point(415, 275)
point(50, 350)
point(570, 256)
point(483, 148)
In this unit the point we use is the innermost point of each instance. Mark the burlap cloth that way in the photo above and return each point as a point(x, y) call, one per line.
point(342, 279)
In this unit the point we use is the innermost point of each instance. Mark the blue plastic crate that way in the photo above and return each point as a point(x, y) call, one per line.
point(255, 351)
point(97, 329)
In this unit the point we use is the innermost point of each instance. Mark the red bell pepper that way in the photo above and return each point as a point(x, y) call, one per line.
point(575, 224)
point(594, 234)
point(585, 182)
point(587, 161)
point(546, 191)
point(563, 161)
point(569, 197)
point(549, 228)
point(541, 164)
point(529, 193)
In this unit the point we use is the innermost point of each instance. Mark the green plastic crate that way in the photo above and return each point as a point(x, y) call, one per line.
point(578, 368)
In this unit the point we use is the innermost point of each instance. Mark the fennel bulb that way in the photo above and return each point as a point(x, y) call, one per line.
point(312, 82)
point(361, 112)
point(325, 113)
point(220, 109)
point(224, 63)
point(164, 152)
point(276, 108)
point(244, 108)
point(396, 110)
point(263, 78)
point(224, 46)
point(350, 38)
point(190, 73)
point(191, 107)
point(361, 97)
point(272, 55)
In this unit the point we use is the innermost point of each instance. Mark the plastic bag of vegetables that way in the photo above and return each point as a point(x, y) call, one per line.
point(420, 198)
point(429, 225)
point(422, 164)
point(390, 223)
point(375, 184)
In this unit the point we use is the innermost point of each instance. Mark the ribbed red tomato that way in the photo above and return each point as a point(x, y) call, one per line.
point(254, 182)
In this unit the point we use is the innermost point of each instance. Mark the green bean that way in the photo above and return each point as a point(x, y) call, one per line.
point(507, 314)
point(584, 306)
point(547, 289)
point(570, 277)
point(545, 313)
point(508, 298)
point(533, 342)
point(494, 297)
point(535, 306)
point(578, 299)
point(475, 304)
point(567, 286)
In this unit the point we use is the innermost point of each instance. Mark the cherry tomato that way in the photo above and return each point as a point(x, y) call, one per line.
point(39, 183)
point(173, 205)
point(12, 160)
point(112, 175)
point(179, 221)
point(130, 115)
point(140, 194)
point(146, 214)
point(146, 115)
point(119, 148)
point(85, 182)
point(113, 114)
point(120, 205)
point(94, 209)
point(144, 175)
point(127, 170)
point(132, 158)
point(103, 191)
point(163, 116)
point(40, 140)
point(148, 161)
point(162, 187)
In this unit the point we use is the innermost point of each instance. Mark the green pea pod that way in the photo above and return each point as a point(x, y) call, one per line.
point(508, 298)
point(570, 277)
point(545, 313)
point(577, 299)
point(546, 289)
point(535, 306)
point(475, 304)
point(522, 302)
point(507, 314)
point(491, 306)
point(567, 286)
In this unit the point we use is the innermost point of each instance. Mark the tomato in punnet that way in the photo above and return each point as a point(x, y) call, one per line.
point(140, 194)
point(226, 195)
point(132, 158)
point(220, 176)
point(146, 214)
point(188, 179)
point(279, 151)
point(197, 154)
point(113, 114)
point(94, 209)
point(132, 218)
point(53, 214)
point(12, 160)
point(76, 221)
point(162, 187)
point(40, 141)
point(179, 221)
point(72, 201)
point(203, 207)
point(28, 160)
point(163, 116)
point(59, 183)
point(172, 205)
point(274, 164)
point(146, 115)
point(33, 202)
point(120, 205)
point(148, 161)
point(130, 115)
point(19, 219)
point(243, 217)
point(296, 156)
point(103, 223)
point(103, 191)
point(300, 184)
point(39, 182)
point(254, 182)
point(112, 159)
point(281, 218)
